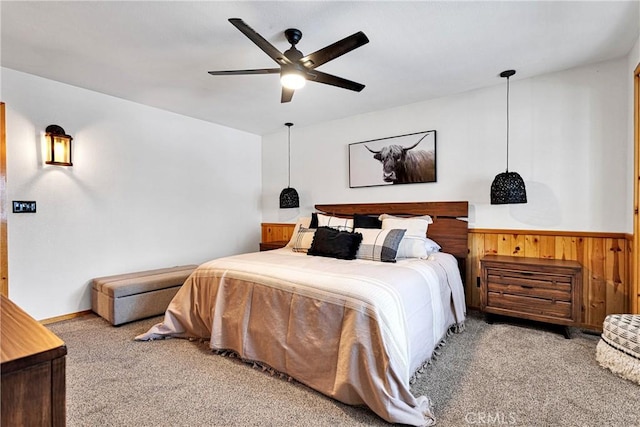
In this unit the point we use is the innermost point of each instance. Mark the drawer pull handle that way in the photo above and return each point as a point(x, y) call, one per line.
point(526, 287)
point(527, 273)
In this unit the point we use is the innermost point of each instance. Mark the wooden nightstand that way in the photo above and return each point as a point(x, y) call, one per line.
point(544, 290)
point(267, 246)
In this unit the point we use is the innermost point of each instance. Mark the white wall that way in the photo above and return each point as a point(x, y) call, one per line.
point(148, 189)
point(568, 140)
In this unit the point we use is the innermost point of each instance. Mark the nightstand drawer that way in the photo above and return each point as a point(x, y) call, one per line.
point(534, 306)
point(549, 287)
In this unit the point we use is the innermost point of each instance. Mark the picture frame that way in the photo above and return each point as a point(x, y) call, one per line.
point(403, 159)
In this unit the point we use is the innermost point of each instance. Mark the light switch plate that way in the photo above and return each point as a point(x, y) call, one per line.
point(21, 206)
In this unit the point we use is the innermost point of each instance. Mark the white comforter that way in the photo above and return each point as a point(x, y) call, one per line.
point(353, 330)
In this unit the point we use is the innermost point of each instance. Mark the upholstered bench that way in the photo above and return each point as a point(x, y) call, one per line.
point(619, 347)
point(127, 297)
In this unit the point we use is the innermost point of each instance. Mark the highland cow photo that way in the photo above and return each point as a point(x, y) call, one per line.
point(403, 159)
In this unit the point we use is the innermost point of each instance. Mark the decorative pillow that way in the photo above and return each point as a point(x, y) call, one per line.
point(302, 239)
point(366, 221)
point(414, 242)
point(417, 247)
point(415, 225)
point(314, 220)
point(432, 246)
point(330, 242)
point(302, 222)
point(413, 247)
point(345, 224)
point(379, 245)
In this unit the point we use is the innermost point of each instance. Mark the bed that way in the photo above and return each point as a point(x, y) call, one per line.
point(355, 330)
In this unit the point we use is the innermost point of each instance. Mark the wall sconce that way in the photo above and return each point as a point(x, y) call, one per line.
point(58, 146)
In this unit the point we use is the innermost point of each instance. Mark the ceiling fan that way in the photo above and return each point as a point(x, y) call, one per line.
point(295, 69)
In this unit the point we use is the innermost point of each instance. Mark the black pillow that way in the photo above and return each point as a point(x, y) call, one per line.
point(334, 243)
point(314, 220)
point(366, 221)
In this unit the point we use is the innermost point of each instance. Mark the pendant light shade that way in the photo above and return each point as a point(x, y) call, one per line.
point(289, 196)
point(508, 187)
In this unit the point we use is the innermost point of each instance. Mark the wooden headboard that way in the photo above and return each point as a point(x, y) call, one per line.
point(449, 226)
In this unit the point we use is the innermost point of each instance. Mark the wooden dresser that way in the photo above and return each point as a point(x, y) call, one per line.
point(33, 371)
point(544, 290)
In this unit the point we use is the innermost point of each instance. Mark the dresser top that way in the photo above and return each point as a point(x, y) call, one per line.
point(22, 337)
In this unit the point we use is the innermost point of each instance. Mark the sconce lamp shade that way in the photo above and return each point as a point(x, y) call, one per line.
point(508, 188)
point(289, 198)
point(58, 146)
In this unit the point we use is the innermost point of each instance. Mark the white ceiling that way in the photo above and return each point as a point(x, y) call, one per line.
point(158, 53)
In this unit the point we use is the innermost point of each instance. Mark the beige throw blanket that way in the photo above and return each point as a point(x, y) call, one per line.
point(353, 330)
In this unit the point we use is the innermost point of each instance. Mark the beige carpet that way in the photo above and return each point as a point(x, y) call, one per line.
point(500, 374)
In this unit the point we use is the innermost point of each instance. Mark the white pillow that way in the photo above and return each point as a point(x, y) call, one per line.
point(414, 242)
point(303, 239)
point(302, 222)
point(345, 224)
point(413, 247)
point(432, 246)
point(417, 247)
point(415, 225)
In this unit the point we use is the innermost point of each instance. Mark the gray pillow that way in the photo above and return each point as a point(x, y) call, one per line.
point(379, 245)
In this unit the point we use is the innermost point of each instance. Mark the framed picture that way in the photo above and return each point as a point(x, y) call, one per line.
point(403, 159)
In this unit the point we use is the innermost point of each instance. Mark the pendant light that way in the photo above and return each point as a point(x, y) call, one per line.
point(289, 196)
point(508, 187)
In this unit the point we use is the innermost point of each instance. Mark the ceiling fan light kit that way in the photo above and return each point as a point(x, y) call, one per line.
point(292, 79)
point(295, 68)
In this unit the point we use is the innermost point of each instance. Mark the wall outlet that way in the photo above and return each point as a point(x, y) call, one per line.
point(20, 206)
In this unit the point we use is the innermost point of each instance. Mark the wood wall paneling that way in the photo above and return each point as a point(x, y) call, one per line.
point(604, 258)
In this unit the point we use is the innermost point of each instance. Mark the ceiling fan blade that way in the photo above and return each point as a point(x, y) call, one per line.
point(334, 50)
point(242, 72)
point(320, 77)
point(287, 94)
point(260, 41)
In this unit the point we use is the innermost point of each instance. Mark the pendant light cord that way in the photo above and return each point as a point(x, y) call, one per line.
point(289, 181)
point(288, 125)
point(507, 123)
